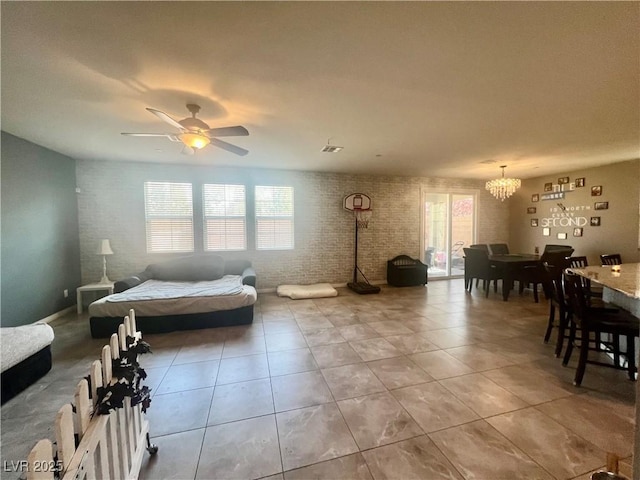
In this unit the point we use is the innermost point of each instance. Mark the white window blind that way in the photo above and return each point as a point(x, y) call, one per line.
point(169, 216)
point(225, 218)
point(274, 218)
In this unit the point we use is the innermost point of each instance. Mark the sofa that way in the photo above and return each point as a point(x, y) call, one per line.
point(198, 291)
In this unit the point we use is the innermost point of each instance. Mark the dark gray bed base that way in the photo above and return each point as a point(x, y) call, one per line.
point(20, 376)
point(102, 327)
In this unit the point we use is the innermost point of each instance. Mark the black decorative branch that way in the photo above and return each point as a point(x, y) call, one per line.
point(129, 374)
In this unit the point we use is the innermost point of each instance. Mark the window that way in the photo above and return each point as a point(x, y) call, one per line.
point(224, 217)
point(274, 218)
point(169, 216)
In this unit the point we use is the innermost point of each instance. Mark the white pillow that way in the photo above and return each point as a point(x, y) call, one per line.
point(317, 290)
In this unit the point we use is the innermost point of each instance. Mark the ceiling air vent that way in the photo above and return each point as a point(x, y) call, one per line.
point(331, 149)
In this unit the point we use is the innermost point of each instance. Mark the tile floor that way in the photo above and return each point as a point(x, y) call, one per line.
point(412, 383)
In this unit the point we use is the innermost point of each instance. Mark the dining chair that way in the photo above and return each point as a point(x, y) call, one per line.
point(476, 265)
point(556, 301)
point(611, 259)
point(591, 292)
point(499, 248)
point(535, 275)
point(593, 322)
point(481, 246)
point(551, 247)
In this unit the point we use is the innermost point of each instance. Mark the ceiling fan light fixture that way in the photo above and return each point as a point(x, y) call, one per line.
point(502, 188)
point(194, 140)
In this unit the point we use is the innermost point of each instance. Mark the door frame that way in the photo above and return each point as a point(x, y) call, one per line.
point(449, 192)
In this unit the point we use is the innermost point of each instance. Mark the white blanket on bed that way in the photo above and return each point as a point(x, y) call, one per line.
point(19, 343)
point(164, 289)
point(159, 297)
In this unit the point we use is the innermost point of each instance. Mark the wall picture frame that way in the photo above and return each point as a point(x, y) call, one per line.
point(561, 236)
point(546, 232)
point(535, 197)
point(594, 221)
point(577, 232)
point(548, 187)
point(534, 222)
point(531, 209)
point(580, 182)
point(596, 190)
point(601, 206)
point(563, 180)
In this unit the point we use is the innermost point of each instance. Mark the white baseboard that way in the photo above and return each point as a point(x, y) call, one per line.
point(56, 315)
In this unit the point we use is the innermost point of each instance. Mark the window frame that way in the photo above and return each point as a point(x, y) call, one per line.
point(169, 217)
point(206, 217)
point(285, 217)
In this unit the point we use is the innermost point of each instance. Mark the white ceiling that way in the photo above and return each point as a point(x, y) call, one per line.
point(440, 89)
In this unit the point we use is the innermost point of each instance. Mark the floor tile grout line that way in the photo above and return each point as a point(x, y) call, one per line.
point(275, 418)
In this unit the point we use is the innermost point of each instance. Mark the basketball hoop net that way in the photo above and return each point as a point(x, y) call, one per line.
point(362, 217)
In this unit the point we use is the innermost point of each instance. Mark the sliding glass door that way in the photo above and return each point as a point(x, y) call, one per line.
point(448, 225)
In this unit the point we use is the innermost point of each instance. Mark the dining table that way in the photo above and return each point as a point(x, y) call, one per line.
point(509, 265)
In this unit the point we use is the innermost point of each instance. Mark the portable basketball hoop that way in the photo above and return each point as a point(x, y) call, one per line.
point(360, 205)
point(362, 217)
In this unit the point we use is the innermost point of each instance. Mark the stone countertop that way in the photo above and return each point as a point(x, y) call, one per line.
point(627, 281)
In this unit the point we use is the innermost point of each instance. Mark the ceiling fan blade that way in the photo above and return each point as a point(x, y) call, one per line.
point(237, 131)
point(228, 147)
point(170, 136)
point(165, 118)
point(187, 150)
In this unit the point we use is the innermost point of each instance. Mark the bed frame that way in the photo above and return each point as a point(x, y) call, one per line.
point(25, 373)
point(102, 327)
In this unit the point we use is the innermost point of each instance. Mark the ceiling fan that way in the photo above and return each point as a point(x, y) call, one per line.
point(195, 134)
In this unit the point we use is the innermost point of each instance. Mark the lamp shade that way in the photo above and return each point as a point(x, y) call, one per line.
point(104, 248)
point(194, 140)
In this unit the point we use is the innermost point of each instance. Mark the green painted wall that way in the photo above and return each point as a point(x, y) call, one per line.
point(40, 247)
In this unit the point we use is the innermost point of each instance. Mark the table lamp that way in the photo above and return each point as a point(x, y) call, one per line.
point(104, 249)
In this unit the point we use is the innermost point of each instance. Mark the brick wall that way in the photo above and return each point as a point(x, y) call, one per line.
point(111, 205)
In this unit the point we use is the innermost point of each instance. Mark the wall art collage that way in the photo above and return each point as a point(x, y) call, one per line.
point(572, 218)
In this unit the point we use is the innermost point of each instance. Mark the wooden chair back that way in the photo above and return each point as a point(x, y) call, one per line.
point(611, 259)
point(480, 246)
point(499, 248)
point(551, 247)
point(476, 262)
point(578, 262)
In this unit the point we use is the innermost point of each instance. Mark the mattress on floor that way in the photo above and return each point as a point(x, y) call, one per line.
point(160, 297)
point(19, 343)
point(316, 290)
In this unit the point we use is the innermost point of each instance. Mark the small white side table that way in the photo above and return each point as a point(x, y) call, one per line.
point(92, 287)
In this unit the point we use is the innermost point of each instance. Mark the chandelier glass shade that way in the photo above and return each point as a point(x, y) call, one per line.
point(502, 188)
point(194, 140)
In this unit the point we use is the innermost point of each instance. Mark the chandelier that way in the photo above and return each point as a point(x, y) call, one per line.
point(502, 188)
